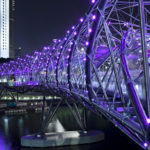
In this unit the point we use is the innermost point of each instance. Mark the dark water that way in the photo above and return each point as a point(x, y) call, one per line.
point(13, 127)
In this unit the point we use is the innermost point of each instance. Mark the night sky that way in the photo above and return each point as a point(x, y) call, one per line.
point(37, 22)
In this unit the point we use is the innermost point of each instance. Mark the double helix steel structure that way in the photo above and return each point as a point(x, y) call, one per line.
point(102, 62)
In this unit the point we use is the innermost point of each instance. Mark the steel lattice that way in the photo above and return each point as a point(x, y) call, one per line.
point(102, 62)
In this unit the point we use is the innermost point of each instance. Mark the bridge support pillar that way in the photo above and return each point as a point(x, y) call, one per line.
point(62, 139)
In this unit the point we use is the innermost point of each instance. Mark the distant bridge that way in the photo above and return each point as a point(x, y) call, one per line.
point(102, 63)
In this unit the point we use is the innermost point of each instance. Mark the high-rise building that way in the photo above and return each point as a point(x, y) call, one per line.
point(7, 28)
point(11, 28)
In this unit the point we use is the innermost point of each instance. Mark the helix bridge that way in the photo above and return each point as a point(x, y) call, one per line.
point(102, 63)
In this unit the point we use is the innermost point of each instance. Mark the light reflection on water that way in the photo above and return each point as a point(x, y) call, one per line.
point(4, 135)
point(6, 129)
point(2, 141)
point(20, 125)
point(13, 127)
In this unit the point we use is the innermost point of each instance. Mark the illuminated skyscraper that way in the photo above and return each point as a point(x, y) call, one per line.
point(6, 28)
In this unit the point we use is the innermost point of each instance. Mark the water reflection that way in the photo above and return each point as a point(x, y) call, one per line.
point(4, 134)
point(2, 142)
point(13, 127)
point(6, 129)
point(20, 125)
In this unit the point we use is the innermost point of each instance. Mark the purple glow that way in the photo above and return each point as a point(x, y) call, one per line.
point(148, 120)
point(84, 59)
point(93, 17)
point(126, 24)
point(93, 1)
point(120, 109)
point(73, 27)
point(90, 30)
point(87, 43)
point(145, 145)
point(75, 33)
point(132, 91)
point(81, 19)
point(45, 48)
point(109, 23)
